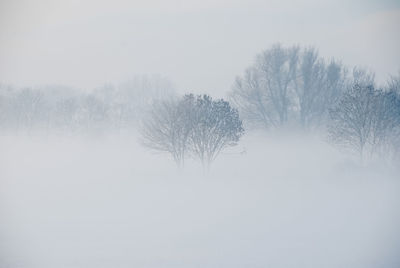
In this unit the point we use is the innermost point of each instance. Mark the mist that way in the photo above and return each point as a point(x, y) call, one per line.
point(199, 46)
point(188, 134)
point(109, 203)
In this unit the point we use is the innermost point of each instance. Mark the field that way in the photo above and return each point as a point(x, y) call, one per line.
point(96, 202)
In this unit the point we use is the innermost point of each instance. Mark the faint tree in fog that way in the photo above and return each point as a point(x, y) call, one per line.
point(93, 113)
point(366, 120)
point(66, 114)
point(29, 106)
point(167, 129)
point(394, 83)
point(278, 69)
point(316, 87)
point(215, 126)
point(263, 94)
point(193, 125)
point(134, 98)
point(352, 118)
point(129, 101)
point(62, 108)
point(362, 77)
point(287, 85)
point(386, 124)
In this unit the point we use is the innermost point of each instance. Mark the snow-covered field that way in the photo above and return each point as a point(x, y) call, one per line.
point(107, 202)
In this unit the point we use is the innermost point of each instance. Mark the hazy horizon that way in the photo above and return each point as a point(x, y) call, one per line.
point(200, 46)
point(110, 156)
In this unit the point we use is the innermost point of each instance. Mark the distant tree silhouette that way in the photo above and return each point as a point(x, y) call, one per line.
point(195, 126)
point(366, 121)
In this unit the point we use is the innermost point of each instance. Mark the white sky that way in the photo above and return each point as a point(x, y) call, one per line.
point(200, 45)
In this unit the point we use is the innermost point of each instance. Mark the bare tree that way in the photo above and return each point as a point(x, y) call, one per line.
point(29, 106)
point(263, 94)
point(216, 125)
point(248, 96)
point(394, 83)
point(385, 139)
point(367, 121)
point(352, 119)
point(278, 71)
point(193, 125)
point(66, 113)
point(362, 77)
point(317, 87)
point(167, 129)
point(288, 85)
point(93, 113)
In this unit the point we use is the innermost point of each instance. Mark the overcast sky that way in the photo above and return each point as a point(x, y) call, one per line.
point(199, 45)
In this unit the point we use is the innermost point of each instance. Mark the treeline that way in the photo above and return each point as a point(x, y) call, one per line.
point(285, 88)
point(59, 108)
point(293, 87)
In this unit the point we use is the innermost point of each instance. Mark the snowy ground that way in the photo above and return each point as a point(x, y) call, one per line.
point(107, 202)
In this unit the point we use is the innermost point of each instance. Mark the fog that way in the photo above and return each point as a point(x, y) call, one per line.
point(200, 45)
point(293, 202)
point(199, 134)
